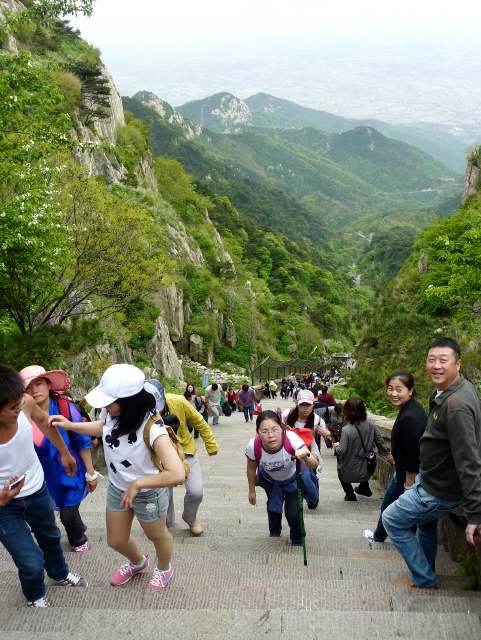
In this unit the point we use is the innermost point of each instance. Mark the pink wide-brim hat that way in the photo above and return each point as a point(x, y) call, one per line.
point(58, 379)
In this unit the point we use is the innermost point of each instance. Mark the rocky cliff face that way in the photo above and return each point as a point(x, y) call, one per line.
point(472, 182)
point(106, 165)
point(232, 111)
point(168, 113)
point(171, 340)
point(9, 44)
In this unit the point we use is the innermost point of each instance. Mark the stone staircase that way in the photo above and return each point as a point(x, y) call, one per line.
point(236, 582)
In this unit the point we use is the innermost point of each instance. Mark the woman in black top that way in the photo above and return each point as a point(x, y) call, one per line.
point(406, 433)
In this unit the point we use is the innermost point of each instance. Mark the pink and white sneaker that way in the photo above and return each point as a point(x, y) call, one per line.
point(161, 578)
point(80, 549)
point(128, 570)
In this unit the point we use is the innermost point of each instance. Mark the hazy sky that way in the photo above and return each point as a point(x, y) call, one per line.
point(350, 57)
point(124, 25)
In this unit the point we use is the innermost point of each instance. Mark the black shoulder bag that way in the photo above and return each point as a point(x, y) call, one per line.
point(370, 456)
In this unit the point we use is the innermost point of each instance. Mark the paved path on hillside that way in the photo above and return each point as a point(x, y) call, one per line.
point(236, 582)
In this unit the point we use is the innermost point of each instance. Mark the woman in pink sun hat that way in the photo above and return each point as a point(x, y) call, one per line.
point(67, 492)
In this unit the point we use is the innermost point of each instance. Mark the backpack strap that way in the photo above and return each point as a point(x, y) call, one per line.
point(175, 440)
point(362, 441)
point(287, 445)
point(153, 454)
point(63, 407)
point(257, 448)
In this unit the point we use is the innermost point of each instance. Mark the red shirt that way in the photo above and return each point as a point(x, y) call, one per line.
point(327, 398)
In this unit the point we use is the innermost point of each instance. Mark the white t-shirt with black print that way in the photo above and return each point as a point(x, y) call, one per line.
point(128, 457)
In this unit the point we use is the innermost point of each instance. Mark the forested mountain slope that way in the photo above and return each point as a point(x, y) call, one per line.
point(437, 292)
point(338, 178)
point(110, 252)
point(269, 206)
point(225, 113)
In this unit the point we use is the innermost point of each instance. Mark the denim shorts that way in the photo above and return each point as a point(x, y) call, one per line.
point(147, 506)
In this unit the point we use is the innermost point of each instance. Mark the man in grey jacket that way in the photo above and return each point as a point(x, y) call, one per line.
point(450, 467)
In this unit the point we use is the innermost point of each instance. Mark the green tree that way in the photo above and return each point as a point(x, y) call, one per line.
point(174, 184)
point(95, 90)
point(82, 251)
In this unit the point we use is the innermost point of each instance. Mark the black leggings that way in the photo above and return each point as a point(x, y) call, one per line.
point(349, 491)
point(75, 528)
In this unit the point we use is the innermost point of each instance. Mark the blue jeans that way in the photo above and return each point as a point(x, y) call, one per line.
point(417, 507)
point(248, 411)
point(291, 509)
point(34, 511)
point(394, 490)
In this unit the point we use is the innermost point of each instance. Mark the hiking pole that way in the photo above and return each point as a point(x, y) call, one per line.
point(301, 505)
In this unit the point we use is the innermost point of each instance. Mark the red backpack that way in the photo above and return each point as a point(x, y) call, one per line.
point(64, 403)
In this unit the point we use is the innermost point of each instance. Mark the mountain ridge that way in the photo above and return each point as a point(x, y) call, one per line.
point(262, 110)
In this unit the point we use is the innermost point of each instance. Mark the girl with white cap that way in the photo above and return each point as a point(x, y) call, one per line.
point(136, 487)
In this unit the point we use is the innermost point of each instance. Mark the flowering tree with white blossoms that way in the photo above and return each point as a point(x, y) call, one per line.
point(64, 239)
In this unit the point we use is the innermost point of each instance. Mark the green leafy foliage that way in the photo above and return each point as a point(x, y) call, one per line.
point(60, 252)
point(384, 256)
point(453, 248)
point(50, 344)
point(140, 317)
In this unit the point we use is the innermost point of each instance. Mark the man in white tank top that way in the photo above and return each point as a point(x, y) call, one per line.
point(25, 505)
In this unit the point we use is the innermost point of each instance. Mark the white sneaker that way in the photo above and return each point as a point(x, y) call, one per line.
point(41, 603)
point(369, 535)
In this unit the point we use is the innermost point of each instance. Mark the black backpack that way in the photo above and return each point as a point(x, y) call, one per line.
point(226, 409)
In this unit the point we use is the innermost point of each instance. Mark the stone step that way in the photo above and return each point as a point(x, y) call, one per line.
point(56, 624)
point(388, 626)
point(439, 602)
point(235, 582)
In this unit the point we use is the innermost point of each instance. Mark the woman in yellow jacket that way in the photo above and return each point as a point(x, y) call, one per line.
point(171, 404)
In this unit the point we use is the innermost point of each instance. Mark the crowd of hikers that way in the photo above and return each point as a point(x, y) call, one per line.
point(149, 446)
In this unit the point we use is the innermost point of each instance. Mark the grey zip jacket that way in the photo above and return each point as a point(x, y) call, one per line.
point(450, 448)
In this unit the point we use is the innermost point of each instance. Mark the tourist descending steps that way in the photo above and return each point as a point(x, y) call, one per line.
point(357, 441)
point(212, 400)
point(136, 487)
point(170, 404)
point(406, 432)
point(450, 468)
point(66, 492)
point(26, 508)
point(197, 402)
point(270, 466)
point(247, 401)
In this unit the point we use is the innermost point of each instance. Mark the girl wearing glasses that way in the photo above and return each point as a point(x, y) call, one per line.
point(272, 457)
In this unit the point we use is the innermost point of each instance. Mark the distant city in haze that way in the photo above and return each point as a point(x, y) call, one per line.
point(399, 86)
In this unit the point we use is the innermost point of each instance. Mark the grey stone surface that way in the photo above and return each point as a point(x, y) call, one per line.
point(436, 603)
point(235, 582)
point(357, 625)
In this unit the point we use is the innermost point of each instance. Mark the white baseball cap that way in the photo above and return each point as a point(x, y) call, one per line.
point(119, 381)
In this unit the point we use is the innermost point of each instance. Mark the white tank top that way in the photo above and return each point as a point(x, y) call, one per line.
point(18, 455)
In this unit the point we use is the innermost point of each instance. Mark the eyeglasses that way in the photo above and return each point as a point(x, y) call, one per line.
point(264, 432)
point(17, 412)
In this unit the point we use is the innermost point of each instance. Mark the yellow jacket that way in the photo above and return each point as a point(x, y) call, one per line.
point(180, 407)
